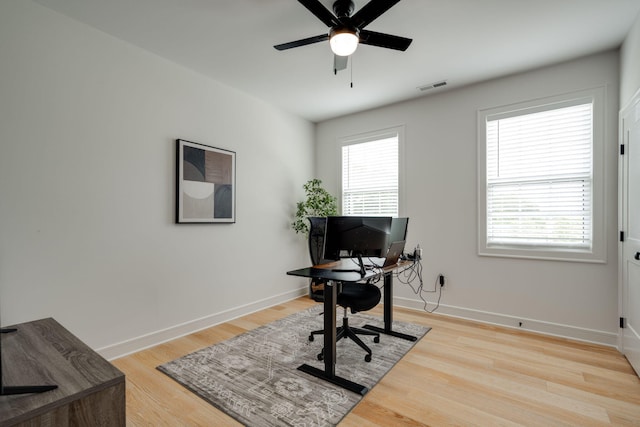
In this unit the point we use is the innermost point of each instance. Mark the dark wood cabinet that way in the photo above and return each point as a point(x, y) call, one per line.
point(90, 392)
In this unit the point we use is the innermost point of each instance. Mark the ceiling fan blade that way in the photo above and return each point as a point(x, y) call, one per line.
point(339, 63)
point(370, 11)
point(384, 40)
point(321, 12)
point(302, 42)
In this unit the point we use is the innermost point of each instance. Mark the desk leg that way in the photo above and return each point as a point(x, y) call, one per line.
point(329, 373)
point(330, 329)
point(388, 312)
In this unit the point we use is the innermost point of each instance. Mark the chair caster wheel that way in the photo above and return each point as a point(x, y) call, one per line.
point(320, 356)
point(376, 340)
point(310, 337)
point(367, 358)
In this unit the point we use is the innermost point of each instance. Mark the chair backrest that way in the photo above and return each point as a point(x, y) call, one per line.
point(317, 226)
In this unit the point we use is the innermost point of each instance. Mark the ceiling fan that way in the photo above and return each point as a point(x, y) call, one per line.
point(346, 31)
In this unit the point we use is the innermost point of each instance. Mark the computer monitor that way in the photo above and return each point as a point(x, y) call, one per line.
point(356, 236)
point(398, 230)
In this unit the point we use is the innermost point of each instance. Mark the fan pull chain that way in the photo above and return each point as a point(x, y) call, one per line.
point(351, 71)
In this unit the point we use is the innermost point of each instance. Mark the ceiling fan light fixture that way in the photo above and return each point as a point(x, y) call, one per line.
point(344, 42)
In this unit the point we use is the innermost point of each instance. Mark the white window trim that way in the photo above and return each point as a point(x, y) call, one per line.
point(372, 136)
point(598, 251)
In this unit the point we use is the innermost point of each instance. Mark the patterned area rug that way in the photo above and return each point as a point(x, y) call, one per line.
point(254, 377)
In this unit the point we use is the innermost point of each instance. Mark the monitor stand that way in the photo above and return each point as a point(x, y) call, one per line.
point(363, 271)
point(21, 389)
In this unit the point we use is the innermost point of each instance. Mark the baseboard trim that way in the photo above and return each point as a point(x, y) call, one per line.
point(143, 342)
point(609, 339)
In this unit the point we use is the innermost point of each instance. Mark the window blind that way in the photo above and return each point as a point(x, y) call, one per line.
point(370, 178)
point(539, 177)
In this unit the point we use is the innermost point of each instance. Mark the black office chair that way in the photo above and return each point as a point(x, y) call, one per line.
point(357, 297)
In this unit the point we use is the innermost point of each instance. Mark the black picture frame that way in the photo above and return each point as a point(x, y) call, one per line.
point(205, 184)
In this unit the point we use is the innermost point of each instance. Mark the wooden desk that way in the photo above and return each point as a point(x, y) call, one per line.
point(334, 280)
point(91, 391)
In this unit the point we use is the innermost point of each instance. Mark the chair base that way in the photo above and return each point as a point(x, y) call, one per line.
point(346, 331)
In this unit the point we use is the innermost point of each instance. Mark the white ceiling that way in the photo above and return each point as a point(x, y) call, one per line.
point(460, 41)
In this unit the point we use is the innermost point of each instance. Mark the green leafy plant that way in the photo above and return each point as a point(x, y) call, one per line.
point(318, 203)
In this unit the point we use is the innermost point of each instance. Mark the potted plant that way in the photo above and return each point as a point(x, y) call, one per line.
point(310, 219)
point(318, 203)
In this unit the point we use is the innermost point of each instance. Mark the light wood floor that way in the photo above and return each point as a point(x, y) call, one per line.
point(460, 373)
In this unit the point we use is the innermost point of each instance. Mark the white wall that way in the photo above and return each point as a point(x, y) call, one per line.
point(630, 64)
point(87, 170)
point(564, 298)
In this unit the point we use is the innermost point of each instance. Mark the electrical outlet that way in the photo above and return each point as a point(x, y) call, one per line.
point(441, 280)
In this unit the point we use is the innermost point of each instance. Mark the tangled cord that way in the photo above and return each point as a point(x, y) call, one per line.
point(408, 275)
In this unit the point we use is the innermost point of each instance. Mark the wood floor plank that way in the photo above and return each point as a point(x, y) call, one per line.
point(461, 373)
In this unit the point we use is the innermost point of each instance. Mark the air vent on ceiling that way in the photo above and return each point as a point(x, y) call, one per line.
point(432, 86)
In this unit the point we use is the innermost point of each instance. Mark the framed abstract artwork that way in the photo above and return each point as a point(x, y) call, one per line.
point(205, 184)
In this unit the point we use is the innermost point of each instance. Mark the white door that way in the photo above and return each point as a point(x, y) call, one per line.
point(630, 225)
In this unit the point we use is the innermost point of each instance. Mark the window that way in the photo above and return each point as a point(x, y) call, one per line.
point(541, 179)
point(371, 173)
